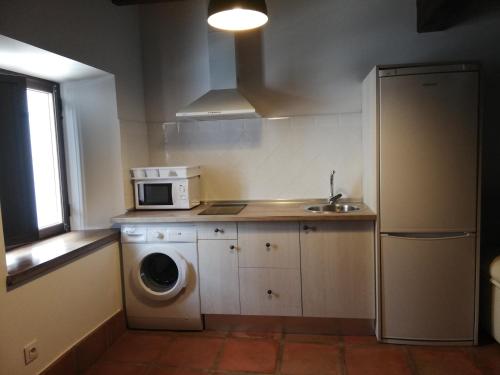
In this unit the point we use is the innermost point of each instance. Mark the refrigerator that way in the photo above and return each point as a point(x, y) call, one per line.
point(428, 204)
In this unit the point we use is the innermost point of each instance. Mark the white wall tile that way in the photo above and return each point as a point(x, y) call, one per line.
point(266, 159)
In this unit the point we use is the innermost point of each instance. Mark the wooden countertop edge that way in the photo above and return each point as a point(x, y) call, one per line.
point(224, 218)
point(21, 277)
point(270, 211)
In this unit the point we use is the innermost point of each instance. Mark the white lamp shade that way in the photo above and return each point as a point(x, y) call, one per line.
point(237, 15)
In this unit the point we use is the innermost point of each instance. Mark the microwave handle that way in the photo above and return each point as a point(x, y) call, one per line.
point(140, 191)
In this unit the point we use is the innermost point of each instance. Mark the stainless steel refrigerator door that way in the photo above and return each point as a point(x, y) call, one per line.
point(428, 152)
point(427, 287)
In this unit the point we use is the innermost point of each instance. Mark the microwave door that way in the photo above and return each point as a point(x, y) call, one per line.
point(140, 193)
point(156, 195)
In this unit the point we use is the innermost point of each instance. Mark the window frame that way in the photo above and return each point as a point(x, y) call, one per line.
point(41, 84)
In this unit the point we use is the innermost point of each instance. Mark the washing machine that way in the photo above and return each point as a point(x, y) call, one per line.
point(160, 274)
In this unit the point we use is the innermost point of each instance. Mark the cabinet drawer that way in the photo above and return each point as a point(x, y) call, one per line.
point(269, 245)
point(266, 291)
point(217, 231)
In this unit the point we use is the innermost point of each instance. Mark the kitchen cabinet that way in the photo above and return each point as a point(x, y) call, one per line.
point(269, 260)
point(337, 263)
point(268, 291)
point(319, 269)
point(269, 245)
point(219, 280)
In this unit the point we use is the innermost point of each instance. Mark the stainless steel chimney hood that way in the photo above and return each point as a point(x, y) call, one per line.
point(223, 101)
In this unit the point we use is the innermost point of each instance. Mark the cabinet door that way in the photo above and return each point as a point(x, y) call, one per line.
point(270, 245)
point(267, 291)
point(219, 281)
point(338, 270)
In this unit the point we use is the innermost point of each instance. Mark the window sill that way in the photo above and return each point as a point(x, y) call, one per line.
point(30, 262)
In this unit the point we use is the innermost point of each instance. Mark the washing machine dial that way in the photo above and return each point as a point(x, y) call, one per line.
point(160, 235)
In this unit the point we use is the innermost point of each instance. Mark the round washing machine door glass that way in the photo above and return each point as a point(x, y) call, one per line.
point(162, 275)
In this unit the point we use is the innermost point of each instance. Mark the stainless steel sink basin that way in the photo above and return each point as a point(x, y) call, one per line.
point(334, 208)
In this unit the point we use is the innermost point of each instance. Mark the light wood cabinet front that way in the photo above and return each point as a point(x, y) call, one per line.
point(270, 292)
point(269, 245)
point(217, 231)
point(219, 281)
point(338, 269)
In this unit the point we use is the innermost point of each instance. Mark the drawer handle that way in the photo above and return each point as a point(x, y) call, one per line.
point(232, 247)
point(308, 228)
point(268, 246)
point(270, 292)
point(217, 230)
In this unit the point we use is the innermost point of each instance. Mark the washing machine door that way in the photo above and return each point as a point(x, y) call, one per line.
point(161, 275)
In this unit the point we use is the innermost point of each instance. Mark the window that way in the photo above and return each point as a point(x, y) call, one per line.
point(33, 191)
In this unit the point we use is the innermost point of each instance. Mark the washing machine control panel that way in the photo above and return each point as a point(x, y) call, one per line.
point(171, 234)
point(158, 233)
point(134, 233)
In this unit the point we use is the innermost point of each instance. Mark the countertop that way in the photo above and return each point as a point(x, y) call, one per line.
point(34, 260)
point(255, 211)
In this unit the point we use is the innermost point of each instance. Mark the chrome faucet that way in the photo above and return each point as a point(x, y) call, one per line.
point(333, 198)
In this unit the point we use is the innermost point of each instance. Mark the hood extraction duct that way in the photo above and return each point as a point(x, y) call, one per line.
point(223, 101)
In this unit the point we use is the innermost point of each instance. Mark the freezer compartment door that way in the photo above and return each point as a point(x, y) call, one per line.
point(428, 286)
point(428, 152)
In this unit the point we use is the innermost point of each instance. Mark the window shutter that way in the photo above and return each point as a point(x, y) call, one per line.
point(17, 191)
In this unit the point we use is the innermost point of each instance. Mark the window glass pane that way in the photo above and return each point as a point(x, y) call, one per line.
point(45, 158)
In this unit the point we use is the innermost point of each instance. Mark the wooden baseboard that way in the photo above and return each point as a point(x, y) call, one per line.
point(87, 351)
point(326, 326)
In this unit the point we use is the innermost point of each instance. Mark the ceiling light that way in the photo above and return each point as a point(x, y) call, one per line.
point(237, 15)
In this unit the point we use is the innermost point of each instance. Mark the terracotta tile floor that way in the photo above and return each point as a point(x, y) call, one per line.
point(240, 353)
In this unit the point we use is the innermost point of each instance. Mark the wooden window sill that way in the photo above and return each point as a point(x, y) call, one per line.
point(29, 262)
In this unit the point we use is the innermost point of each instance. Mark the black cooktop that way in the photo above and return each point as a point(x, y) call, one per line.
point(223, 209)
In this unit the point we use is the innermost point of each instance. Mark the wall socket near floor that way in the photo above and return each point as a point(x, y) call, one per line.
point(31, 352)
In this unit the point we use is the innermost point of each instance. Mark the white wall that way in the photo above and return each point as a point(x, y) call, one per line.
point(311, 59)
point(94, 155)
point(97, 33)
point(58, 309)
point(62, 307)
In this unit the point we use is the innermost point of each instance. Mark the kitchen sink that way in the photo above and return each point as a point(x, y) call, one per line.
point(334, 208)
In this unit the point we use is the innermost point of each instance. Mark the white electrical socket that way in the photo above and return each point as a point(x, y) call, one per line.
point(30, 352)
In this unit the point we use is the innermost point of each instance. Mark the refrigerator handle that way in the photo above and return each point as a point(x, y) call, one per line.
point(428, 236)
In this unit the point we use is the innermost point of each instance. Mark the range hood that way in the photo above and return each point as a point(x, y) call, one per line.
point(223, 101)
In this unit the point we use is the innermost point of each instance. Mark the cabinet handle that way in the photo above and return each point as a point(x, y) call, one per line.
point(268, 245)
point(308, 228)
point(232, 247)
point(269, 292)
point(217, 230)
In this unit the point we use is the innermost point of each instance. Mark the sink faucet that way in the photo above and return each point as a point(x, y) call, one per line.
point(333, 198)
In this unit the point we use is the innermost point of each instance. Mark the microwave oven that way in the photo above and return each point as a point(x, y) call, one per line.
point(167, 194)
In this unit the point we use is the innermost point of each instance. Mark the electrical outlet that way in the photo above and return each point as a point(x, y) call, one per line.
point(30, 352)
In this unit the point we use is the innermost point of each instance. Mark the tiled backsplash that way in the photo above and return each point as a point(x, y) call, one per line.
point(286, 158)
